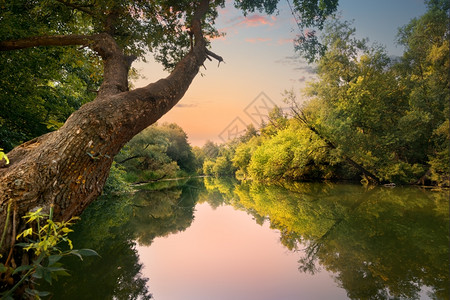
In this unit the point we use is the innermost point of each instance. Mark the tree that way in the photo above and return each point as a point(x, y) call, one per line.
point(67, 168)
point(424, 72)
point(384, 115)
point(158, 151)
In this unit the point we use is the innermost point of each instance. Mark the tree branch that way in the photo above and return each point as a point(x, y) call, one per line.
point(116, 64)
point(54, 40)
point(210, 53)
point(300, 116)
point(77, 7)
point(129, 158)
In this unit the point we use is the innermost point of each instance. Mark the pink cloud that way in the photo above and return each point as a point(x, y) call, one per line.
point(219, 38)
point(256, 20)
point(257, 40)
point(285, 41)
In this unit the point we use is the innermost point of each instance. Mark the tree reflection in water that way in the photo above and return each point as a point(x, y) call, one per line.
point(112, 226)
point(379, 242)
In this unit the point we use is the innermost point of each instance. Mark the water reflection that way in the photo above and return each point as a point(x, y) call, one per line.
point(112, 226)
point(377, 243)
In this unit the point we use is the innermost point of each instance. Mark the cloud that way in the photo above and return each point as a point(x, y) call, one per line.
point(186, 105)
point(251, 21)
point(257, 40)
point(298, 64)
point(256, 20)
point(285, 41)
point(233, 24)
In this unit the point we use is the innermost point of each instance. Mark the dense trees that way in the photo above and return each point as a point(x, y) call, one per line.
point(367, 115)
point(67, 168)
point(158, 151)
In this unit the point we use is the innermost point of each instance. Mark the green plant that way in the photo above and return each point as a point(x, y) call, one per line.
point(3, 156)
point(44, 242)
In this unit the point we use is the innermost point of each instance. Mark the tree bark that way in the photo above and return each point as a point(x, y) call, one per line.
point(68, 168)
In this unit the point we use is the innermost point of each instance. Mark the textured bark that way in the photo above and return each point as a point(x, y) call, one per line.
point(68, 168)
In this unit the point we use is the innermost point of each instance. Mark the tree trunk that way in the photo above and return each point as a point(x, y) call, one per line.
point(68, 168)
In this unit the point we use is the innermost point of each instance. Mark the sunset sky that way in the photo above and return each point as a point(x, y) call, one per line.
point(260, 63)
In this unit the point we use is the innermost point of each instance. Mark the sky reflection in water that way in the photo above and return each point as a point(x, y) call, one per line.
point(226, 255)
point(250, 241)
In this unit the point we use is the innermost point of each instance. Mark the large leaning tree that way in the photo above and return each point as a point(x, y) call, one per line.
point(67, 168)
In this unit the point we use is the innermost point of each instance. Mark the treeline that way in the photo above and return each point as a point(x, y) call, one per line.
point(368, 115)
point(158, 152)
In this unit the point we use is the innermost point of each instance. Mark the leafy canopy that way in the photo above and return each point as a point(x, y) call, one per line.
point(41, 87)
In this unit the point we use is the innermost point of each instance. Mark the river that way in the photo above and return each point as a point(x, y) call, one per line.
point(217, 239)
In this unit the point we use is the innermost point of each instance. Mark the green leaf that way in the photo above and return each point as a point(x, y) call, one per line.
point(52, 259)
point(47, 275)
point(39, 272)
point(3, 269)
point(87, 252)
point(60, 273)
point(22, 268)
point(76, 253)
point(42, 293)
point(84, 252)
point(36, 294)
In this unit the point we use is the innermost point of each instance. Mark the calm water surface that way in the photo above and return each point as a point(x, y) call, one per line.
point(217, 239)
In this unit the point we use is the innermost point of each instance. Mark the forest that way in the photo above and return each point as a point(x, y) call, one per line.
point(368, 118)
point(69, 116)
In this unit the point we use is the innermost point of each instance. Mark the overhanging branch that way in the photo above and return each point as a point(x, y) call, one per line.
point(52, 40)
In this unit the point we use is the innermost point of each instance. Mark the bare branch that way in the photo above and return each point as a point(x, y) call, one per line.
point(210, 53)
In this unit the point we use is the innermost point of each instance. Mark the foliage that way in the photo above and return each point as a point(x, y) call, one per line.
point(294, 153)
point(157, 152)
point(372, 240)
point(218, 159)
point(116, 182)
point(40, 87)
point(122, 222)
point(3, 156)
point(367, 113)
point(382, 113)
point(44, 243)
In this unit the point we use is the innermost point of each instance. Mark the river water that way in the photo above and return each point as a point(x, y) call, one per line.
point(217, 239)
